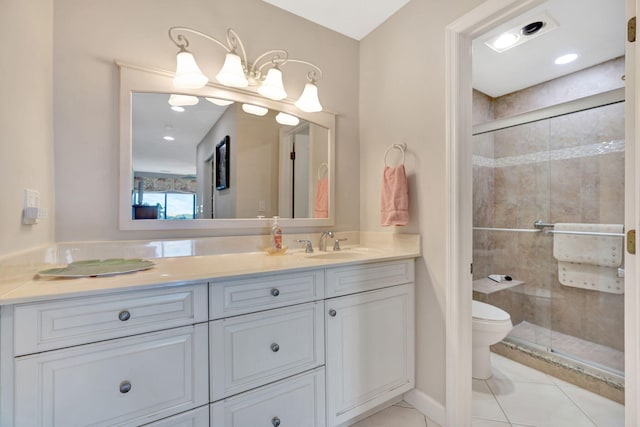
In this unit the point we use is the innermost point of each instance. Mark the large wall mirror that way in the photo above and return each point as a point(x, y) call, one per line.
point(206, 160)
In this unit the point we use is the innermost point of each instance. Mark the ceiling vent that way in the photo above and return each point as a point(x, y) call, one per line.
point(525, 31)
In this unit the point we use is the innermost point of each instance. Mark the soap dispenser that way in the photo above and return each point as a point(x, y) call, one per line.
point(276, 233)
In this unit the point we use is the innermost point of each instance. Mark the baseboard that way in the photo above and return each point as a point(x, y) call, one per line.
point(430, 407)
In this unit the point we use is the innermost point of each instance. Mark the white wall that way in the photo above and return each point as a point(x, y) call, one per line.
point(89, 35)
point(26, 120)
point(402, 99)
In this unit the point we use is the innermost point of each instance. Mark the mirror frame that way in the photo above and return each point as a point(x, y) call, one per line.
point(136, 78)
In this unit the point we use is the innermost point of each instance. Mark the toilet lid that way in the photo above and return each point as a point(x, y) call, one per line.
point(480, 310)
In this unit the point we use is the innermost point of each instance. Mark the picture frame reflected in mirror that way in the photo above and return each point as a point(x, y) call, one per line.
point(222, 163)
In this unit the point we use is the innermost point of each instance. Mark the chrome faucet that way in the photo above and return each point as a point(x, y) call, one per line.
point(322, 245)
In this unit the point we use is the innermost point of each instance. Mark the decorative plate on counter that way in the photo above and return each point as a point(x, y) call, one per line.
point(97, 267)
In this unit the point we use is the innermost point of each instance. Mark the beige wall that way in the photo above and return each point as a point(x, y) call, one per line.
point(258, 144)
point(227, 124)
point(26, 120)
point(402, 99)
point(90, 34)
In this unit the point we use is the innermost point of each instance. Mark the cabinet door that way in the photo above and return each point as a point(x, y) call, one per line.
point(370, 350)
point(124, 382)
point(295, 402)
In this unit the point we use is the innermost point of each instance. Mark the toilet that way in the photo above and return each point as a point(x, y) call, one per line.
point(490, 325)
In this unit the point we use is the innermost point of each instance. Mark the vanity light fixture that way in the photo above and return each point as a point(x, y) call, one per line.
point(287, 119)
point(237, 71)
point(220, 102)
point(176, 100)
point(254, 109)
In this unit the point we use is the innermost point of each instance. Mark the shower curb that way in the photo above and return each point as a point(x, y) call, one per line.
point(590, 379)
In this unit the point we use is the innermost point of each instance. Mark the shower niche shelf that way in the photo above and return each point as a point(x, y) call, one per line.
point(488, 286)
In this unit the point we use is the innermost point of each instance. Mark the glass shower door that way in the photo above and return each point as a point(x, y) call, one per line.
point(511, 191)
point(587, 192)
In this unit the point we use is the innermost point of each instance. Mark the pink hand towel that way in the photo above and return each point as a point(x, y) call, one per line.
point(322, 199)
point(394, 200)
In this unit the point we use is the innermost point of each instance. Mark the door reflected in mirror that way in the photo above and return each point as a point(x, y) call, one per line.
point(194, 159)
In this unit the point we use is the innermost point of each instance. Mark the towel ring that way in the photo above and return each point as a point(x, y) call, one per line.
point(323, 170)
point(400, 147)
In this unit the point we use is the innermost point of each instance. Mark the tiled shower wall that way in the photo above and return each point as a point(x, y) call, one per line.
point(565, 169)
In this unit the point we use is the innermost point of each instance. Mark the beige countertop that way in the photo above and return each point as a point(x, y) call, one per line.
point(30, 287)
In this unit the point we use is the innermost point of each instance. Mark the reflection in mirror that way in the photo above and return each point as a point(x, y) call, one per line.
point(195, 159)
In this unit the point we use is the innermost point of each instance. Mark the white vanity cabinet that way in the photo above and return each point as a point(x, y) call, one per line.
point(317, 347)
point(126, 359)
point(369, 338)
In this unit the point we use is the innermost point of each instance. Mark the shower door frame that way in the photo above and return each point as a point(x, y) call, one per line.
point(459, 36)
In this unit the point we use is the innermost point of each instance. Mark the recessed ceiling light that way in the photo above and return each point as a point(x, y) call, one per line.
point(169, 138)
point(565, 59)
point(178, 109)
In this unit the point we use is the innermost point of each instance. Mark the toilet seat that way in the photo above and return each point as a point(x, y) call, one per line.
point(486, 312)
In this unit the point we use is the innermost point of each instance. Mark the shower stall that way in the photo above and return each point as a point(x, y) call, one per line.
point(548, 201)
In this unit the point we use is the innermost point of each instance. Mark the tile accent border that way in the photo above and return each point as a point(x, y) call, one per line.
point(605, 147)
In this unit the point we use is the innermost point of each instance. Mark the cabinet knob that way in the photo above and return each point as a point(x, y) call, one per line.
point(125, 386)
point(275, 347)
point(332, 313)
point(275, 292)
point(124, 315)
point(275, 421)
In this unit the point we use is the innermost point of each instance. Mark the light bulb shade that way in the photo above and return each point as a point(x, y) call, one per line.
point(220, 102)
point(308, 101)
point(232, 73)
point(188, 74)
point(254, 109)
point(287, 119)
point(272, 86)
point(182, 100)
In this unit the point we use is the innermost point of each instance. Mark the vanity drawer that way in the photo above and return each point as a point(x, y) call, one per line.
point(297, 402)
point(234, 297)
point(256, 349)
point(195, 418)
point(367, 277)
point(129, 381)
point(64, 323)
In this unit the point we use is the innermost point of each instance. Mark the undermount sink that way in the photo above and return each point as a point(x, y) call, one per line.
point(350, 253)
point(337, 255)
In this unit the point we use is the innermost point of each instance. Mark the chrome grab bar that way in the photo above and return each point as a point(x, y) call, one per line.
point(520, 230)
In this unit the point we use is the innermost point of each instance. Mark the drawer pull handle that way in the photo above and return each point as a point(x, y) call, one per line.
point(275, 292)
point(275, 421)
point(275, 347)
point(125, 386)
point(124, 315)
point(332, 313)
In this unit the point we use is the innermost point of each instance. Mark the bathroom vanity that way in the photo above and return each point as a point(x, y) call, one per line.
point(293, 341)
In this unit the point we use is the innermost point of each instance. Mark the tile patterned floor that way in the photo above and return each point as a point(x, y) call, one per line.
point(517, 396)
point(571, 346)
